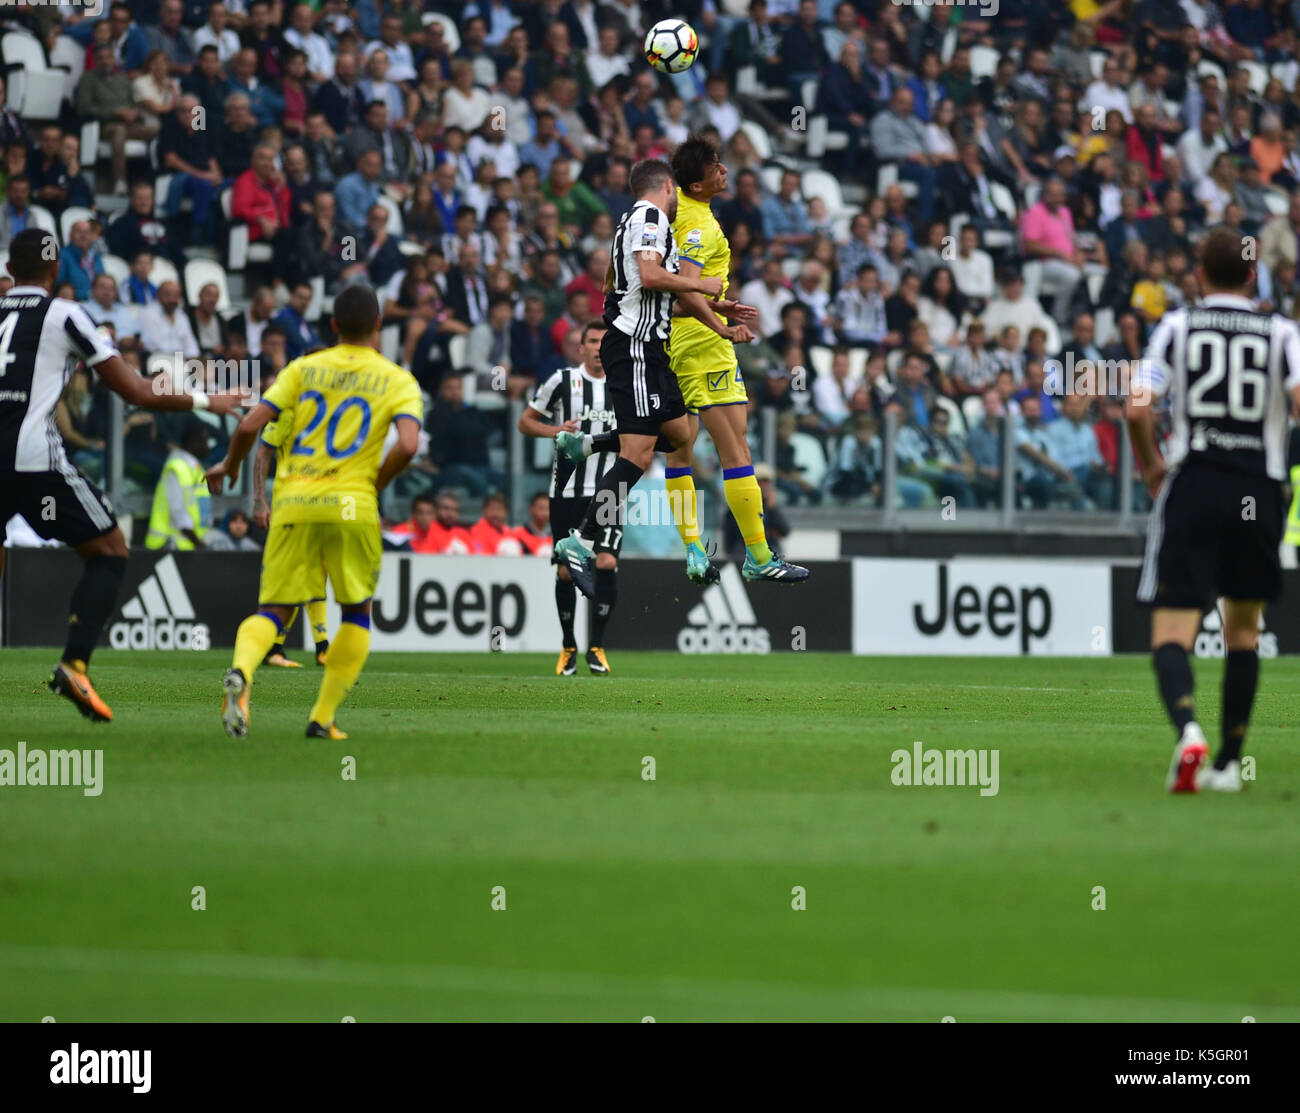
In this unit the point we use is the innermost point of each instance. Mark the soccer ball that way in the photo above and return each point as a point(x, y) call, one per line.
point(671, 46)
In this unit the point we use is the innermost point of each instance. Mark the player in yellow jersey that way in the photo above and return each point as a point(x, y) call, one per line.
point(704, 361)
point(271, 445)
point(340, 403)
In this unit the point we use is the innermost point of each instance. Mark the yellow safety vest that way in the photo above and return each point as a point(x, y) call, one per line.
point(1292, 535)
point(162, 534)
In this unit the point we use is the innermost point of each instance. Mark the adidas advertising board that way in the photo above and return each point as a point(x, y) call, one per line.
point(659, 608)
point(169, 601)
point(981, 607)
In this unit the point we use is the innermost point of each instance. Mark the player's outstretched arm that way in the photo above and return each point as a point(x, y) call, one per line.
point(532, 425)
point(401, 454)
point(241, 442)
point(697, 306)
point(261, 468)
point(139, 391)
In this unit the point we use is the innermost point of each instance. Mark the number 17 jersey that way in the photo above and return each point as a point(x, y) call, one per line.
point(335, 408)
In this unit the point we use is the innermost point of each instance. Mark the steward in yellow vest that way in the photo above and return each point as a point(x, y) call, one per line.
point(182, 506)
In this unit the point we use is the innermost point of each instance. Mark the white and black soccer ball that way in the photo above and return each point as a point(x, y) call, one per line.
point(671, 46)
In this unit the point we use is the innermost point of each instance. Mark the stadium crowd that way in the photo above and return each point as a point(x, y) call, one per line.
point(934, 207)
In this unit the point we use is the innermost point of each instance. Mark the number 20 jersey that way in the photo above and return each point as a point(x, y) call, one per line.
point(341, 402)
point(1228, 372)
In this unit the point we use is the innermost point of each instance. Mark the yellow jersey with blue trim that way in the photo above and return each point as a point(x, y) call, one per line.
point(333, 410)
point(694, 347)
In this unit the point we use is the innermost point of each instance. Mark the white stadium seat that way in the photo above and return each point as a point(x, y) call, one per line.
point(203, 272)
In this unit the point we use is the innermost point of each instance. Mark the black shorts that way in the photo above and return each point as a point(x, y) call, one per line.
point(567, 515)
point(1213, 532)
point(639, 383)
point(59, 505)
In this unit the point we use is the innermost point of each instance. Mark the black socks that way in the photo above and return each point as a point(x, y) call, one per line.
point(603, 605)
point(609, 503)
point(1240, 678)
point(566, 598)
point(1177, 685)
point(93, 600)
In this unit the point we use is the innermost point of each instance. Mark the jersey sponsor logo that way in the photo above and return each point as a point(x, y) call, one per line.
point(723, 620)
point(695, 237)
point(719, 381)
point(160, 614)
point(590, 413)
point(1209, 639)
point(1205, 437)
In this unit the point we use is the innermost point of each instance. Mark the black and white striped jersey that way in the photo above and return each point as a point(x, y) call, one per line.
point(572, 394)
point(1228, 371)
point(42, 340)
point(636, 312)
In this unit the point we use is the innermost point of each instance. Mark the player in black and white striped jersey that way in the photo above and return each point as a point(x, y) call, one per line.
point(1229, 374)
point(641, 288)
point(575, 400)
point(42, 341)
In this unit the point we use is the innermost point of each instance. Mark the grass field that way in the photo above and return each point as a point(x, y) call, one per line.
point(628, 898)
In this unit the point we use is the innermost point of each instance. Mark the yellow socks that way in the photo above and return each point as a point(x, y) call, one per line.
point(316, 617)
point(348, 652)
point(745, 499)
point(681, 497)
point(256, 634)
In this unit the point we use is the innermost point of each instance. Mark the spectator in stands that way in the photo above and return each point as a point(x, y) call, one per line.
point(379, 248)
point(104, 94)
point(238, 137)
point(139, 289)
point(575, 202)
point(973, 367)
point(210, 328)
point(458, 441)
point(902, 307)
point(490, 535)
point(530, 340)
point(1037, 386)
point(467, 287)
point(253, 321)
point(217, 33)
point(261, 200)
point(938, 457)
point(785, 215)
point(326, 247)
point(263, 38)
point(859, 311)
point(265, 103)
point(359, 191)
point(434, 525)
point(898, 135)
point(164, 326)
point(232, 534)
point(155, 91)
point(984, 443)
point(489, 347)
point(1109, 438)
point(80, 262)
point(1074, 446)
point(274, 356)
point(376, 134)
point(1042, 477)
point(128, 41)
point(47, 173)
point(1048, 232)
point(207, 82)
point(12, 128)
point(341, 98)
point(914, 393)
point(15, 214)
point(769, 295)
point(104, 308)
point(300, 337)
point(187, 152)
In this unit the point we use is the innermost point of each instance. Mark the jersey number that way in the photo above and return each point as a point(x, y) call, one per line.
point(7, 327)
point(1210, 358)
point(331, 429)
point(613, 538)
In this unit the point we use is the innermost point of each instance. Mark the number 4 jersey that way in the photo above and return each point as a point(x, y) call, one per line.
point(335, 408)
point(1228, 372)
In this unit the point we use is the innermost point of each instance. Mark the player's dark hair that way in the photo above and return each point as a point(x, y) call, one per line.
point(33, 254)
point(356, 313)
point(495, 496)
point(425, 499)
point(596, 324)
point(1223, 258)
point(648, 175)
point(692, 160)
point(538, 495)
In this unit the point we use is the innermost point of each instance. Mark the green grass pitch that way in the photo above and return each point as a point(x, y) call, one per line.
point(627, 898)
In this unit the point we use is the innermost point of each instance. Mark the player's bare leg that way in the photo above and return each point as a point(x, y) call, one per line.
point(1240, 679)
point(256, 634)
point(1173, 633)
point(93, 600)
point(343, 663)
point(727, 426)
point(679, 480)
